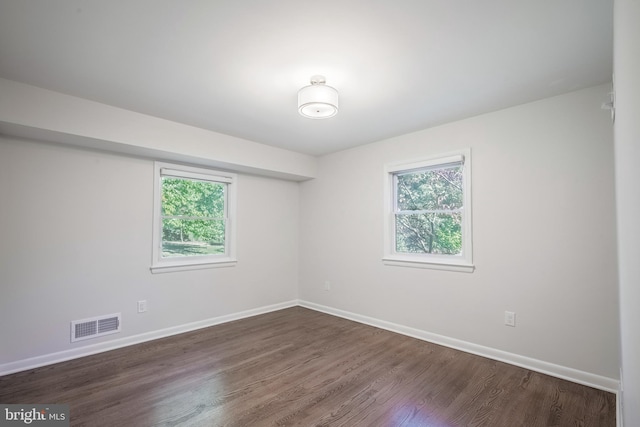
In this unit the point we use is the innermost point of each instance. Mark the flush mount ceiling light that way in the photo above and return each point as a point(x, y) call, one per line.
point(318, 101)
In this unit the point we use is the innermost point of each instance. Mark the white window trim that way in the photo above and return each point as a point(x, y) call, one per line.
point(461, 263)
point(228, 259)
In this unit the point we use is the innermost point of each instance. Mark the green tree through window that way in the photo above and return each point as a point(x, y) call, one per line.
point(193, 217)
point(428, 214)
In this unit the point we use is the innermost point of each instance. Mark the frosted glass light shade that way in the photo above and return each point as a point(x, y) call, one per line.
point(318, 101)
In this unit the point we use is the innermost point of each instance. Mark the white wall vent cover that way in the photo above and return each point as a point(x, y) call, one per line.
point(95, 327)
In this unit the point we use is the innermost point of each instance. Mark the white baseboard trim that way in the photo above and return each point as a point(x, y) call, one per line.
point(62, 356)
point(619, 402)
point(619, 419)
point(563, 372)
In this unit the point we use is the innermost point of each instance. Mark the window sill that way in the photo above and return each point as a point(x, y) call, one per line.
point(434, 265)
point(169, 268)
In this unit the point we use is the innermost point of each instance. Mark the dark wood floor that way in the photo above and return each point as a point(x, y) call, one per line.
point(298, 367)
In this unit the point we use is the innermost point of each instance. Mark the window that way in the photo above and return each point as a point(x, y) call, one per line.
point(428, 213)
point(194, 218)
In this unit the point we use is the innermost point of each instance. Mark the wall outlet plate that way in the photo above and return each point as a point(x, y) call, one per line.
point(142, 306)
point(510, 318)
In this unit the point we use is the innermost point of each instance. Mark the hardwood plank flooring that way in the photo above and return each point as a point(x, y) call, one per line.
point(298, 367)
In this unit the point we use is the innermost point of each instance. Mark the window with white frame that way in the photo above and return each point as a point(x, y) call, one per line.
point(428, 213)
point(194, 218)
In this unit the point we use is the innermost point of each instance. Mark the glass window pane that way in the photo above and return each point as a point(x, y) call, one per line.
point(437, 189)
point(188, 237)
point(186, 197)
point(429, 233)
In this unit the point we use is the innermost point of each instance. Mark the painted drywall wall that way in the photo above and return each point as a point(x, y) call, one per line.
point(627, 153)
point(32, 112)
point(75, 242)
point(543, 235)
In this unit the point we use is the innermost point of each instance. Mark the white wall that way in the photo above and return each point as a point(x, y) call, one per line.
point(544, 237)
point(627, 155)
point(75, 242)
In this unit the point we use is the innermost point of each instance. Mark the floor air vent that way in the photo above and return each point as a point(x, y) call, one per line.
point(95, 327)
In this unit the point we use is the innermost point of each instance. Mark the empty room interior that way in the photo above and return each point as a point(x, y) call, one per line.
point(261, 213)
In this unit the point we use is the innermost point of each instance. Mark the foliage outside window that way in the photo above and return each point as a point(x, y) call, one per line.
point(193, 218)
point(429, 213)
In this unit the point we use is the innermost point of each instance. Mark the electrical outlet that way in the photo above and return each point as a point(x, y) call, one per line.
point(510, 318)
point(327, 285)
point(142, 306)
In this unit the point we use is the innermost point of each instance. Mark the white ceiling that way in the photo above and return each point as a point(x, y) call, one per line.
point(235, 66)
